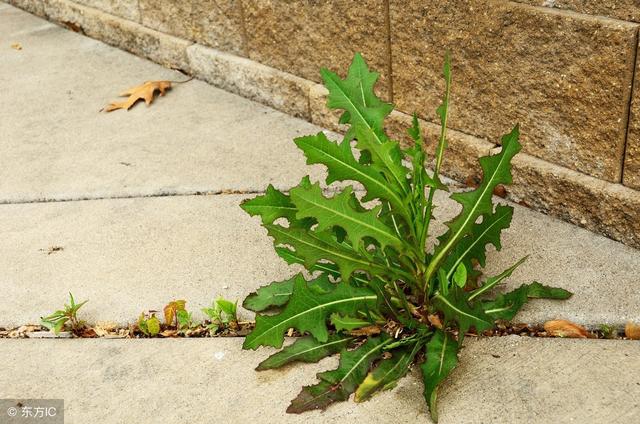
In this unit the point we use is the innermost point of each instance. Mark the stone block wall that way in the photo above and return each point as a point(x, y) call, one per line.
point(564, 69)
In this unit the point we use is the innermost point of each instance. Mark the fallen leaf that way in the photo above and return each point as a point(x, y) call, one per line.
point(16, 46)
point(563, 328)
point(370, 330)
point(435, 321)
point(24, 330)
point(169, 333)
point(104, 328)
point(171, 310)
point(88, 333)
point(141, 92)
point(632, 331)
point(73, 26)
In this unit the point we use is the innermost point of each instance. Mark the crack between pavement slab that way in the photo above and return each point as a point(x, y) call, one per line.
point(167, 193)
point(162, 193)
point(242, 328)
point(131, 196)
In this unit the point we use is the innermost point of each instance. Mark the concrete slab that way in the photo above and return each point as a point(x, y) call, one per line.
point(130, 255)
point(499, 380)
point(55, 144)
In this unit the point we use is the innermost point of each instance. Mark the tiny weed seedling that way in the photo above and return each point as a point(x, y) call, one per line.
point(171, 311)
point(381, 295)
point(176, 315)
point(149, 325)
point(222, 313)
point(65, 318)
point(608, 331)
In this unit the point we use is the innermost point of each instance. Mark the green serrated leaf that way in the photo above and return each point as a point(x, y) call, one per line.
point(385, 155)
point(317, 246)
point(366, 113)
point(473, 246)
point(442, 358)
point(328, 268)
point(307, 311)
point(347, 323)
point(270, 206)
point(506, 306)
point(456, 308)
point(305, 349)
point(337, 385)
point(496, 170)
point(387, 373)
point(342, 166)
point(355, 95)
point(338, 210)
point(273, 294)
point(493, 281)
point(279, 292)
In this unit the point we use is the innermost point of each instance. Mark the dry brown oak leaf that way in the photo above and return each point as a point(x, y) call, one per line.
point(632, 331)
point(141, 92)
point(563, 328)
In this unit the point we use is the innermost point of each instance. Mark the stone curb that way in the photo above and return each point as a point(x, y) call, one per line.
point(607, 208)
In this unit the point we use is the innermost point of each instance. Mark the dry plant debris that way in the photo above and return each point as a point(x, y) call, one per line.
point(107, 329)
point(141, 92)
point(632, 331)
point(563, 328)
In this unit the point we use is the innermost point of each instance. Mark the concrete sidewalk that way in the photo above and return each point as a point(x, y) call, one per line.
point(161, 221)
point(500, 380)
point(129, 255)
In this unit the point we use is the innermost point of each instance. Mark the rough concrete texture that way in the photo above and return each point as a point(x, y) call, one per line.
point(195, 139)
point(213, 23)
point(252, 80)
point(129, 255)
point(164, 49)
point(627, 10)
point(566, 78)
point(500, 380)
point(127, 9)
point(301, 36)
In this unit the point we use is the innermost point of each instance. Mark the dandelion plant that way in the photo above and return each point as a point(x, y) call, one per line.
point(377, 291)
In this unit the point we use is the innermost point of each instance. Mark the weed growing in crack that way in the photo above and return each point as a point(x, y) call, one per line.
point(66, 318)
point(379, 294)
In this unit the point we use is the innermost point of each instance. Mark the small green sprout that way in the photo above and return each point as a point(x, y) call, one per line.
point(149, 325)
point(221, 313)
point(58, 320)
point(608, 331)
